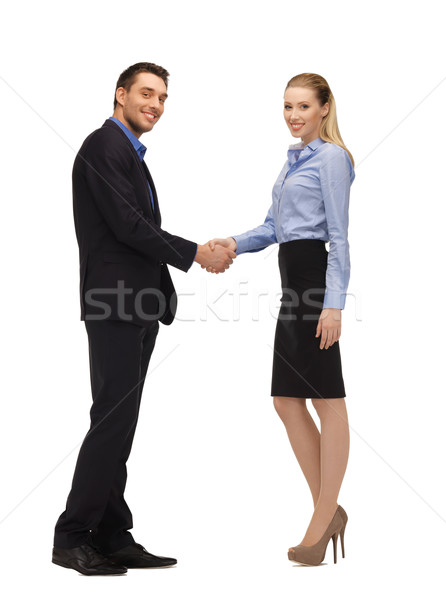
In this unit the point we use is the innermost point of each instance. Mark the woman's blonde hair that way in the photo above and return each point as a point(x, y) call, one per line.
point(329, 131)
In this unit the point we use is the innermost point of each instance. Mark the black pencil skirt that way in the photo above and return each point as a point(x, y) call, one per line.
point(300, 368)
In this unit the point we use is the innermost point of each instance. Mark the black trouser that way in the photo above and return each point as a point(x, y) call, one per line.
point(96, 510)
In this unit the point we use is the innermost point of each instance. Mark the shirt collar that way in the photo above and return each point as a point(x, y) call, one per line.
point(312, 145)
point(139, 146)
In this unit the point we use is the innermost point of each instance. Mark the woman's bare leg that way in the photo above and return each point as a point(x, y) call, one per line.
point(322, 457)
point(304, 438)
point(335, 440)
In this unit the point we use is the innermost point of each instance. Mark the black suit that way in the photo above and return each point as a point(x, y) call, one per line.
point(125, 289)
point(119, 236)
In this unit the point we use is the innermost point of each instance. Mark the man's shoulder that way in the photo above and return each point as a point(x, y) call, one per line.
point(108, 141)
point(108, 133)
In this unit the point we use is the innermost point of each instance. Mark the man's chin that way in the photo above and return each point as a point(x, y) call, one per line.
point(147, 127)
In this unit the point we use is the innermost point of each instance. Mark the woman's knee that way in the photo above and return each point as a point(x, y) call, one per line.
point(328, 406)
point(286, 406)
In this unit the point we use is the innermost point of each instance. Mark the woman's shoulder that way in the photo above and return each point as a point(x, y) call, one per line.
point(332, 148)
point(329, 149)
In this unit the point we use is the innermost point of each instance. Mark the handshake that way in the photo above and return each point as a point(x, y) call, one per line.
point(217, 254)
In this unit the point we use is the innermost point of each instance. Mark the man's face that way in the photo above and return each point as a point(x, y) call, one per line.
point(142, 106)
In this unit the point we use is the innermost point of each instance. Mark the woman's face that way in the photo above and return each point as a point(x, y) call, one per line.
point(303, 113)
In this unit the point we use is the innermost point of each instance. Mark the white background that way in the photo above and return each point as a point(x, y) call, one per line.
point(212, 479)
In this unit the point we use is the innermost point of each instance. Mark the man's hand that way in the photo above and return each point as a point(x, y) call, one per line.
point(225, 243)
point(216, 259)
point(329, 326)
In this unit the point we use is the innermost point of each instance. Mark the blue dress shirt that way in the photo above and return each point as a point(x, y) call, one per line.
point(139, 147)
point(310, 201)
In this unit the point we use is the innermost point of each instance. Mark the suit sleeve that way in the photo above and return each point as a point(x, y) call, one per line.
point(106, 166)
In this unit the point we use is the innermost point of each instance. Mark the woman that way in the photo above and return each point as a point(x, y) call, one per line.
point(309, 208)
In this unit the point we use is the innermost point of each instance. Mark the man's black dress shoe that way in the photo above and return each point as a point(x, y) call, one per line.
point(136, 556)
point(87, 560)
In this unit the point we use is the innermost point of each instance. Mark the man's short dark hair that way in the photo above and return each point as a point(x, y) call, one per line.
point(127, 77)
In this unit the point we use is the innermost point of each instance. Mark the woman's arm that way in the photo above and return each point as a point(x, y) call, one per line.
point(253, 240)
point(336, 176)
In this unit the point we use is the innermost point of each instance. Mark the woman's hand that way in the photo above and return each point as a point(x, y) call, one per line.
point(226, 243)
point(329, 326)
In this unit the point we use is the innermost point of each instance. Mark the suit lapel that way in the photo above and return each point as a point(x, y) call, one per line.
point(155, 197)
point(145, 174)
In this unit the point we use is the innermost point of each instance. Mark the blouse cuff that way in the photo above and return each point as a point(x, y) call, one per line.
point(334, 299)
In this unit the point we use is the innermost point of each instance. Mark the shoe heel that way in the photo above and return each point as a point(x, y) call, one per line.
point(334, 537)
point(342, 540)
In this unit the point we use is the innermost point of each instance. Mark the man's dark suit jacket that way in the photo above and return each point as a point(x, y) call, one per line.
point(123, 251)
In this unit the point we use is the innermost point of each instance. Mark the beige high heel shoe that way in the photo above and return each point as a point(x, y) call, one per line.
point(344, 518)
point(315, 554)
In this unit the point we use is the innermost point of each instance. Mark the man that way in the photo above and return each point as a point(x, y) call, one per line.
point(125, 290)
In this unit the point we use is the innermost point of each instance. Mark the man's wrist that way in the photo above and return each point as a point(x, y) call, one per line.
point(198, 254)
point(195, 257)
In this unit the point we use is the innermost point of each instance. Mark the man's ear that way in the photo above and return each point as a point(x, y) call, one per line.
point(120, 95)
